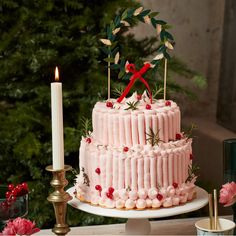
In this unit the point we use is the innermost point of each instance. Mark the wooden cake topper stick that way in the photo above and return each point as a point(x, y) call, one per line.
point(109, 80)
point(165, 77)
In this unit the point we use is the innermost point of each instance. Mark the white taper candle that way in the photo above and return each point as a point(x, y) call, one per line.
point(57, 124)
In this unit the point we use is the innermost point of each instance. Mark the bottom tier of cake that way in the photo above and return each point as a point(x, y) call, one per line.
point(136, 177)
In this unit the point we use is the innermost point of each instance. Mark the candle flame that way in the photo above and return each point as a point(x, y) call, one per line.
point(56, 74)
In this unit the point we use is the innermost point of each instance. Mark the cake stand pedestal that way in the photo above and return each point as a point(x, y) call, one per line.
point(138, 222)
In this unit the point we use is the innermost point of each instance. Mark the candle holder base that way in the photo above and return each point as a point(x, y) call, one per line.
point(59, 199)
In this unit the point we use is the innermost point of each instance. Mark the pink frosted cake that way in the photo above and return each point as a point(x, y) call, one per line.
point(136, 157)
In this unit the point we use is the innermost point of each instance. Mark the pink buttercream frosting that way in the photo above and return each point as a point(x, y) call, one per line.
point(142, 193)
point(130, 204)
point(141, 204)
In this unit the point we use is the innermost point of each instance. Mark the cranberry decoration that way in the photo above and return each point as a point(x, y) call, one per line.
point(109, 195)
point(191, 156)
point(139, 96)
point(175, 185)
point(111, 190)
point(168, 103)
point(98, 171)
point(109, 104)
point(159, 196)
point(126, 149)
point(88, 140)
point(98, 187)
point(148, 107)
point(178, 136)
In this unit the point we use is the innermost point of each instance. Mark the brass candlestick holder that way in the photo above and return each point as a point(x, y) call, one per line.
point(59, 199)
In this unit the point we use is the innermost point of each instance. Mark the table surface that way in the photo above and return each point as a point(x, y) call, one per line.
point(160, 227)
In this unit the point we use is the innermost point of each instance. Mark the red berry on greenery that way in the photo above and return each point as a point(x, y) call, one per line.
point(25, 186)
point(109, 104)
point(11, 187)
point(109, 195)
point(19, 189)
point(126, 149)
point(168, 103)
point(98, 187)
point(159, 197)
point(175, 185)
point(191, 156)
point(4, 205)
point(111, 190)
point(178, 136)
point(14, 192)
point(139, 96)
point(8, 194)
point(88, 140)
point(12, 198)
point(148, 107)
point(98, 171)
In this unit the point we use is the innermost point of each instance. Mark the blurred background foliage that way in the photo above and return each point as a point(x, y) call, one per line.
point(35, 36)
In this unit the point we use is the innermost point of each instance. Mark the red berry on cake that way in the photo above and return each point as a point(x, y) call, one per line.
point(148, 107)
point(109, 104)
point(178, 136)
point(98, 171)
point(111, 190)
point(175, 185)
point(126, 149)
point(11, 187)
point(139, 96)
point(168, 103)
point(88, 140)
point(159, 196)
point(109, 195)
point(98, 187)
point(191, 156)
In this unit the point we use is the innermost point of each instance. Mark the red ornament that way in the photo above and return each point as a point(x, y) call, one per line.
point(88, 140)
point(11, 187)
point(109, 195)
point(139, 96)
point(98, 187)
point(109, 104)
point(175, 185)
point(111, 190)
point(148, 107)
point(25, 186)
point(168, 103)
point(191, 156)
point(159, 196)
point(98, 171)
point(126, 149)
point(178, 136)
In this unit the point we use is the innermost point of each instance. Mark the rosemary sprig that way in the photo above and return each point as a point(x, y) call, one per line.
point(157, 91)
point(189, 132)
point(86, 127)
point(132, 105)
point(153, 138)
point(192, 170)
point(118, 91)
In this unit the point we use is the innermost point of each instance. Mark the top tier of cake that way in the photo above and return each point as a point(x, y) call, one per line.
point(117, 124)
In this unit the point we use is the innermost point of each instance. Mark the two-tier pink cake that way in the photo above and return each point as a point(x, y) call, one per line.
point(136, 157)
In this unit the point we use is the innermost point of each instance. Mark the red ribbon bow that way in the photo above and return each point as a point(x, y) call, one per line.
point(136, 75)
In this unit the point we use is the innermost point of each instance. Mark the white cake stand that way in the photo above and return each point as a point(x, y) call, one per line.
point(138, 222)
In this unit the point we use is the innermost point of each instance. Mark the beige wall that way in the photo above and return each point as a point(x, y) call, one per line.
point(197, 28)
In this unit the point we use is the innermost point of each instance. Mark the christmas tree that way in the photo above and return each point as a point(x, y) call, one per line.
point(35, 37)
